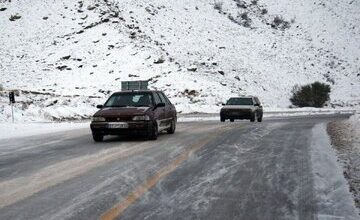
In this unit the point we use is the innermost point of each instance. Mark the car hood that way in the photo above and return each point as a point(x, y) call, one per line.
point(106, 112)
point(238, 107)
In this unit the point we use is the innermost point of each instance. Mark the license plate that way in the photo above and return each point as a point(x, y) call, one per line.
point(118, 125)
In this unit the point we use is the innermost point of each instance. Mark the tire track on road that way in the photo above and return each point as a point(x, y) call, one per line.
point(19, 188)
point(143, 188)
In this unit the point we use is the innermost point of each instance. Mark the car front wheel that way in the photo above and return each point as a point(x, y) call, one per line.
point(153, 132)
point(98, 137)
point(253, 117)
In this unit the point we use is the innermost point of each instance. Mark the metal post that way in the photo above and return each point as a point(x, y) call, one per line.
point(12, 112)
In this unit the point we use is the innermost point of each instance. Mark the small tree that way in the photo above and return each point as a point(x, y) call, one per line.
point(311, 95)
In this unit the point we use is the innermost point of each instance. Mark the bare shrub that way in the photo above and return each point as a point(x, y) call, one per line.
point(241, 19)
point(245, 20)
point(244, 16)
point(241, 4)
point(218, 6)
point(280, 23)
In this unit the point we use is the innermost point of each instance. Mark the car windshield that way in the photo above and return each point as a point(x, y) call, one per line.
point(240, 101)
point(129, 99)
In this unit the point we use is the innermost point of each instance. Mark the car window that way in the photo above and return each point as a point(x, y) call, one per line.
point(240, 101)
point(156, 98)
point(129, 99)
point(257, 100)
point(163, 100)
point(167, 100)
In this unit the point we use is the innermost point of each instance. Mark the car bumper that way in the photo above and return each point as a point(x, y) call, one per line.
point(237, 114)
point(107, 128)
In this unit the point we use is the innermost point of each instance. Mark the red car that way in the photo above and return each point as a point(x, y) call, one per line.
point(142, 112)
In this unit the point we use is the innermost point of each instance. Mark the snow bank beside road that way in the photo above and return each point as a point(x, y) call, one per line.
point(21, 129)
point(333, 197)
point(306, 111)
point(9, 130)
point(271, 113)
point(345, 139)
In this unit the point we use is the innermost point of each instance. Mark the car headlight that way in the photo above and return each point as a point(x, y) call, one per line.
point(141, 118)
point(98, 119)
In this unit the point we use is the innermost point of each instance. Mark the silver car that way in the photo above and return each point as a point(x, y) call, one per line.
point(247, 107)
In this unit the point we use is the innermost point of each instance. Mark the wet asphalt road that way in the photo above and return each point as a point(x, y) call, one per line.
point(206, 170)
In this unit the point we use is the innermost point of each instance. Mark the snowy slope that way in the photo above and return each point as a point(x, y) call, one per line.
point(198, 52)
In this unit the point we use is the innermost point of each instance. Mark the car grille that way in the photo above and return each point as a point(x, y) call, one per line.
point(119, 118)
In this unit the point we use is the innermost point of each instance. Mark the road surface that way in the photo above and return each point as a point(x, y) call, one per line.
point(206, 170)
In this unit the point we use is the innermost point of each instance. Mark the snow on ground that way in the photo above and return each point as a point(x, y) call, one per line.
point(23, 129)
point(271, 113)
point(17, 130)
point(345, 139)
point(332, 190)
point(67, 56)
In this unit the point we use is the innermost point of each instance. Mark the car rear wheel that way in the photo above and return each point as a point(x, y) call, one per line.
point(153, 133)
point(222, 119)
point(172, 128)
point(98, 137)
point(232, 120)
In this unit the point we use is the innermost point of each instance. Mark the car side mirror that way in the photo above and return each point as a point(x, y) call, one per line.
point(256, 104)
point(160, 105)
point(99, 106)
point(222, 103)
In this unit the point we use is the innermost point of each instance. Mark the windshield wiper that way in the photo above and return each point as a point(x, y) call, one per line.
point(117, 106)
point(142, 105)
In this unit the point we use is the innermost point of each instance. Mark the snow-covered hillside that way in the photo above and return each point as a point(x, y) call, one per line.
point(67, 56)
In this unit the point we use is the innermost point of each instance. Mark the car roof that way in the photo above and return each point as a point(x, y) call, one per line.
point(243, 97)
point(136, 91)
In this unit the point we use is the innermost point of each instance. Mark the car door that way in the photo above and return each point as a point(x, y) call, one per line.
point(159, 112)
point(171, 110)
point(163, 100)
